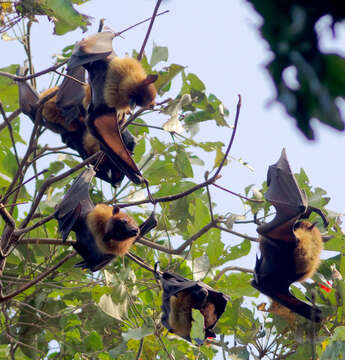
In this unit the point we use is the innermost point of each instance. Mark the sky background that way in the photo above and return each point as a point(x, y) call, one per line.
point(220, 43)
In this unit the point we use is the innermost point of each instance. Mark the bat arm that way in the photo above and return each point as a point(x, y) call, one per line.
point(311, 209)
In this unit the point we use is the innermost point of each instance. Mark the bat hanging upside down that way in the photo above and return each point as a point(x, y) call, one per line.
point(65, 114)
point(102, 231)
point(290, 246)
point(180, 296)
point(117, 84)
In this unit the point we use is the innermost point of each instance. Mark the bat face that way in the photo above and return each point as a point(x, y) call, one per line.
point(180, 296)
point(145, 93)
point(290, 249)
point(120, 229)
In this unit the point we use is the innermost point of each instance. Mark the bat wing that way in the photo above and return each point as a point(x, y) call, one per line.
point(86, 247)
point(106, 129)
point(288, 199)
point(92, 48)
point(201, 295)
point(28, 96)
point(285, 298)
point(71, 94)
point(75, 204)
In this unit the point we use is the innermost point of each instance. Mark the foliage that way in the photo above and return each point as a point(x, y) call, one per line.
point(115, 313)
point(290, 28)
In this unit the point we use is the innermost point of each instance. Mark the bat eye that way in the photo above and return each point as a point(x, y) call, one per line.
point(116, 210)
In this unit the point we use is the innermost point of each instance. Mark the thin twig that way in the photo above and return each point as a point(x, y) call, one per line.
point(39, 278)
point(22, 184)
point(28, 77)
point(46, 241)
point(155, 11)
point(38, 224)
point(51, 181)
point(71, 77)
point(239, 103)
point(209, 197)
point(139, 23)
point(238, 195)
point(232, 268)
point(140, 262)
point(10, 118)
point(10, 130)
point(237, 234)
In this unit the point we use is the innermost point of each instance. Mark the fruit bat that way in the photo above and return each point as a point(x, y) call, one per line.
point(180, 296)
point(65, 114)
point(290, 247)
point(116, 84)
point(102, 231)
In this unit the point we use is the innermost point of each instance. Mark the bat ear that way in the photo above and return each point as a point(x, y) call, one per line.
point(150, 79)
point(116, 210)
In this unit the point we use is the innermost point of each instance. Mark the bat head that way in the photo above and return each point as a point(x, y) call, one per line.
point(145, 93)
point(120, 227)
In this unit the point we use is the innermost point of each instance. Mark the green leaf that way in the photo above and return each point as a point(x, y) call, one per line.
point(65, 16)
point(110, 308)
point(335, 350)
point(93, 342)
point(138, 333)
point(9, 89)
point(182, 163)
point(215, 246)
point(159, 53)
point(166, 76)
point(197, 331)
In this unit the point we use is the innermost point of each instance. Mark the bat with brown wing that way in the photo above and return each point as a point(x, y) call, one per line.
point(290, 246)
point(117, 84)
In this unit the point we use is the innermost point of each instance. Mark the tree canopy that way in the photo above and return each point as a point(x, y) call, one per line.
point(51, 309)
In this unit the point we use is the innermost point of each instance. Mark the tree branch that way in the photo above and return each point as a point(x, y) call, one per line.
point(232, 268)
point(39, 278)
point(155, 11)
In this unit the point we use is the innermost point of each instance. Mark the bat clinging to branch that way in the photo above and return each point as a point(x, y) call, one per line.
point(290, 247)
point(180, 296)
point(102, 231)
point(116, 84)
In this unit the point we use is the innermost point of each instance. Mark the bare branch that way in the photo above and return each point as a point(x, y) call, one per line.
point(51, 181)
point(232, 268)
point(20, 232)
point(46, 241)
point(38, 279)
point(28, 77)
point(237, 234)
point(10, 118)
point(232, 136)
point(238, 195)
point(155, 11)
point(139, 23)
point(71, 77)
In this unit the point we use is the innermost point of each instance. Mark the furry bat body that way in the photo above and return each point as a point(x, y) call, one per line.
point(180, 296)
point(116, 84)
point(102, 231)
point(65, 114)
point(290, 247)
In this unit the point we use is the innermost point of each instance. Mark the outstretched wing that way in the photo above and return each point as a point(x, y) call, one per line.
point(75, 204)
point(288, 199)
